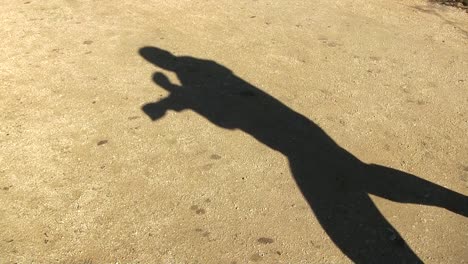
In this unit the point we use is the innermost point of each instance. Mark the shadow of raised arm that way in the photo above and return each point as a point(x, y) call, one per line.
point(174, 101)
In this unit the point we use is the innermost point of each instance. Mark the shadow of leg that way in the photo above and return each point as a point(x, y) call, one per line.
point(357, 227)
point(403, 187)
point(347, 213)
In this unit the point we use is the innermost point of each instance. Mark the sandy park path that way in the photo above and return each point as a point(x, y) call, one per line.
point(233, 132)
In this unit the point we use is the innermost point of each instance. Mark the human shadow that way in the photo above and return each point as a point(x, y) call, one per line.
point(334, 182)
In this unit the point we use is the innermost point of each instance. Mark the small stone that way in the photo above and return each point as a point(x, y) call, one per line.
point(102, 142)
point(265, 240)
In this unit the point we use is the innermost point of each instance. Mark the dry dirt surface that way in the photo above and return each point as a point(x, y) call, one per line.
point(216, 131)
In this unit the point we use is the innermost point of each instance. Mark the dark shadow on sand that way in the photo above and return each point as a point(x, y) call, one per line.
point(334, 182)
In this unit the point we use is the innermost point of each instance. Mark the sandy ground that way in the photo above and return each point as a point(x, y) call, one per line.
point(87, 177)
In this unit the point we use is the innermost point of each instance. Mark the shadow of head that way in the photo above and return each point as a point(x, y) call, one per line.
point(159, 57)
point(189, 70)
